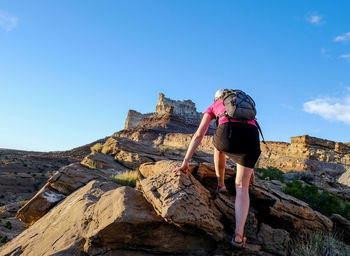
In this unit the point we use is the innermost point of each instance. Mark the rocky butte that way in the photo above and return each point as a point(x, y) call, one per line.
point(79, 210)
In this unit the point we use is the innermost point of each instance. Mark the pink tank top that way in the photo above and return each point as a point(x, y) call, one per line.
point(218, 108)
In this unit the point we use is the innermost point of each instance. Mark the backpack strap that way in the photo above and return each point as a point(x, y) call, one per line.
point(229, 121)
point(218, 117)
point(257, 124)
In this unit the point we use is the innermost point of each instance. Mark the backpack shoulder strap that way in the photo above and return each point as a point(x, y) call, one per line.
point(218, 117)
point(259, 128)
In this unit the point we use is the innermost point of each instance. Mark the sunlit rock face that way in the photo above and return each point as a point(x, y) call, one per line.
point(184, 112)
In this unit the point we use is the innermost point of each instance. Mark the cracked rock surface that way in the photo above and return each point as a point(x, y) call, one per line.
point(181, 200)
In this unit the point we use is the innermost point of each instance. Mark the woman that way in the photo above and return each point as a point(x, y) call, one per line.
point(239, 140)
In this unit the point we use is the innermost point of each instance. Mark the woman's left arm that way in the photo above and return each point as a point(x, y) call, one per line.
point(195, 142)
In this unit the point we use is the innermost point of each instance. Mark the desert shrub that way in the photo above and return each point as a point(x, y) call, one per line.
point(317, 244)
point(91, 164)
point(97, 147)
point(346, 210)
point(270, 173)
point(8, 225)
point(323, 201)
point(127, 178)
point(107, 149)
point(3, 239)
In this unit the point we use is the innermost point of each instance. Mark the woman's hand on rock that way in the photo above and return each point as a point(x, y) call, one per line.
point(184, 167)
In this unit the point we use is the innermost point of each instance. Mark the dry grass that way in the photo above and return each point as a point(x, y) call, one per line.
point(97, 147)
point(127, 178)
point(171, 150)
point(318, 244)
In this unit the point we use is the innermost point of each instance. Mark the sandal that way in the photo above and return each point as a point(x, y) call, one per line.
point(219, 190)
point(241, 244)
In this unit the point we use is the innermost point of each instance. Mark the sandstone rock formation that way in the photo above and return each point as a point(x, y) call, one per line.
point(185, 109)
point(154, 145)
point(181, 200)
point(63, 183)
point(307, 153)
point(345, 178)
point(341, 227)
point(173, 215)
point(97, 160)
point(181, 112)
point(133, 118)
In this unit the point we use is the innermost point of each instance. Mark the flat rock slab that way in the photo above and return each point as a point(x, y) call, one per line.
point(181, 200)
point(66, 180)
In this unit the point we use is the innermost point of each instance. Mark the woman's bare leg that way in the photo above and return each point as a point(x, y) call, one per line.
point(220, 165)
point(242, 198)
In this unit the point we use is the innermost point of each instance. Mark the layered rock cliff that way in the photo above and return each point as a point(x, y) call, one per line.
point(182, 112)
point(168, 214)
point(307, 153)
point(79, 211)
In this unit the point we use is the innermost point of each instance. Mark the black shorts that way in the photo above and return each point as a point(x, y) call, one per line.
point(243, 147)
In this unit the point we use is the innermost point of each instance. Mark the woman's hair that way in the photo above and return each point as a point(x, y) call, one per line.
point(219, 94)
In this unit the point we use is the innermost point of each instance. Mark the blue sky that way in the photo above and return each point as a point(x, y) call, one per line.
point(70, 70)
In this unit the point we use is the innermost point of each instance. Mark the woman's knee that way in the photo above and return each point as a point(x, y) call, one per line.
point(243, 176)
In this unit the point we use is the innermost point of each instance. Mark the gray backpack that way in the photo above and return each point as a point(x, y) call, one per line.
point(239, 105)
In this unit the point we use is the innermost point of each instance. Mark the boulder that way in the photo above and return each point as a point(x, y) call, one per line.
point(125, 209)
point(283, 211)
point(65, 181)
point(273, 240)
point(97, 160)
point(182, 201)
point(102, 218)
point(39, 205)
point(73, 176)
point(62, 230)
point(345, 178)
point(341, 227)
point(153, 168)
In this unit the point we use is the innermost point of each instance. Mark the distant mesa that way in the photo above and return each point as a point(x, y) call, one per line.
point(182, 110)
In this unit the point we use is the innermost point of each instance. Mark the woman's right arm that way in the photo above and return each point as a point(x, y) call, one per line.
point(195, 142)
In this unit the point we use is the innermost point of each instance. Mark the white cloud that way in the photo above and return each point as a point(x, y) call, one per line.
point(334, 109)
point(7, 21)
point(345, 56)
point(342, 38)
point(315, 19)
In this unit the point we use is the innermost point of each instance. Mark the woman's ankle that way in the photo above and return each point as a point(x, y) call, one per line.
point(221, 185)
